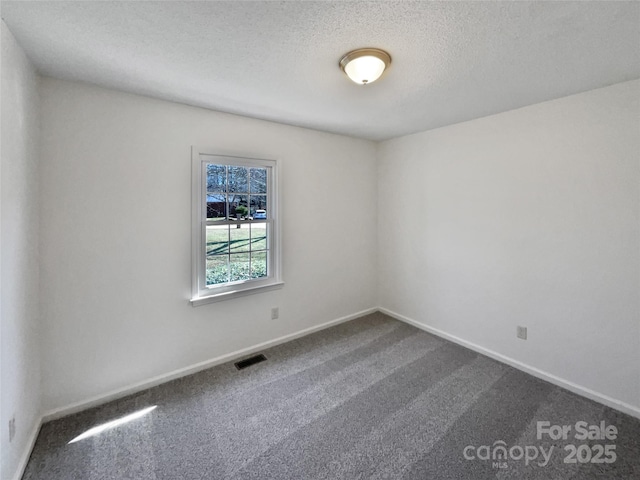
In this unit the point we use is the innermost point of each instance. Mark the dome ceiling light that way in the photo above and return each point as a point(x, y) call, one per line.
point(365, 65)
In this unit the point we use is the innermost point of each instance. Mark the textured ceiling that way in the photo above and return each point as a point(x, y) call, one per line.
point(452, 61)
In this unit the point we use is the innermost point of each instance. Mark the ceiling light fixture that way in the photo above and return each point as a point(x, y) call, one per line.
point(365, 65)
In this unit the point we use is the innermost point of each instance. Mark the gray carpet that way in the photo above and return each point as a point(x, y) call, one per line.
point(369, 399)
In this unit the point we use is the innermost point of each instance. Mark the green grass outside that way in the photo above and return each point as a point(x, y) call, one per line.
point(236, 253)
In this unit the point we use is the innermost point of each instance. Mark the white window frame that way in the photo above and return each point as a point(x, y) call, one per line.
point(202, 294)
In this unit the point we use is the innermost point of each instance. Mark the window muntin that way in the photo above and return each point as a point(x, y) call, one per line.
point(233, 251)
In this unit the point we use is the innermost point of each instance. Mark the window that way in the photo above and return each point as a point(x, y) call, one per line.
point(235, 226)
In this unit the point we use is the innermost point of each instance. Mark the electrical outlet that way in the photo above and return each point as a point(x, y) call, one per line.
point(12, 428)
point(522, 332)
point(275, 313)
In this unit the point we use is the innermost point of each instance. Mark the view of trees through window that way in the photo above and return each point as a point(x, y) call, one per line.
point(237, 223)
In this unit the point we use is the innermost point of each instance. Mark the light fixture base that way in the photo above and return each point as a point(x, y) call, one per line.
point(361, 75)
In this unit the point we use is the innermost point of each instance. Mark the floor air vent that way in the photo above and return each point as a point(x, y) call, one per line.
point(247, 362)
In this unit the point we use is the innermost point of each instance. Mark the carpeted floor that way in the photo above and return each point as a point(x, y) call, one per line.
point(369, 399)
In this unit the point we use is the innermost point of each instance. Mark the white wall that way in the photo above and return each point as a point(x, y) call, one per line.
point(529, 217)
point(116, 245)
point(20, 377)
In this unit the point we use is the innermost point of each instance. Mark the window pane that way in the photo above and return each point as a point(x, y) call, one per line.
point(258, 205)
point(238, 179)
point(216, 206)
point(258, 236)
point(217, 269)
point(239, 267)
point(217, 239)
point(238, 205)
point(259, 265)
point(235, 254)
point(240, 238)
point(258, 180)
point(216, 178)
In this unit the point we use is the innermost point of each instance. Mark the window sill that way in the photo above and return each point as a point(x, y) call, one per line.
point(218, 297)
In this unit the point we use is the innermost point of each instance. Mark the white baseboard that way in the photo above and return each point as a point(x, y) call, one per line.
point(183, 372)
point(560, 382)
point(24, 459)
